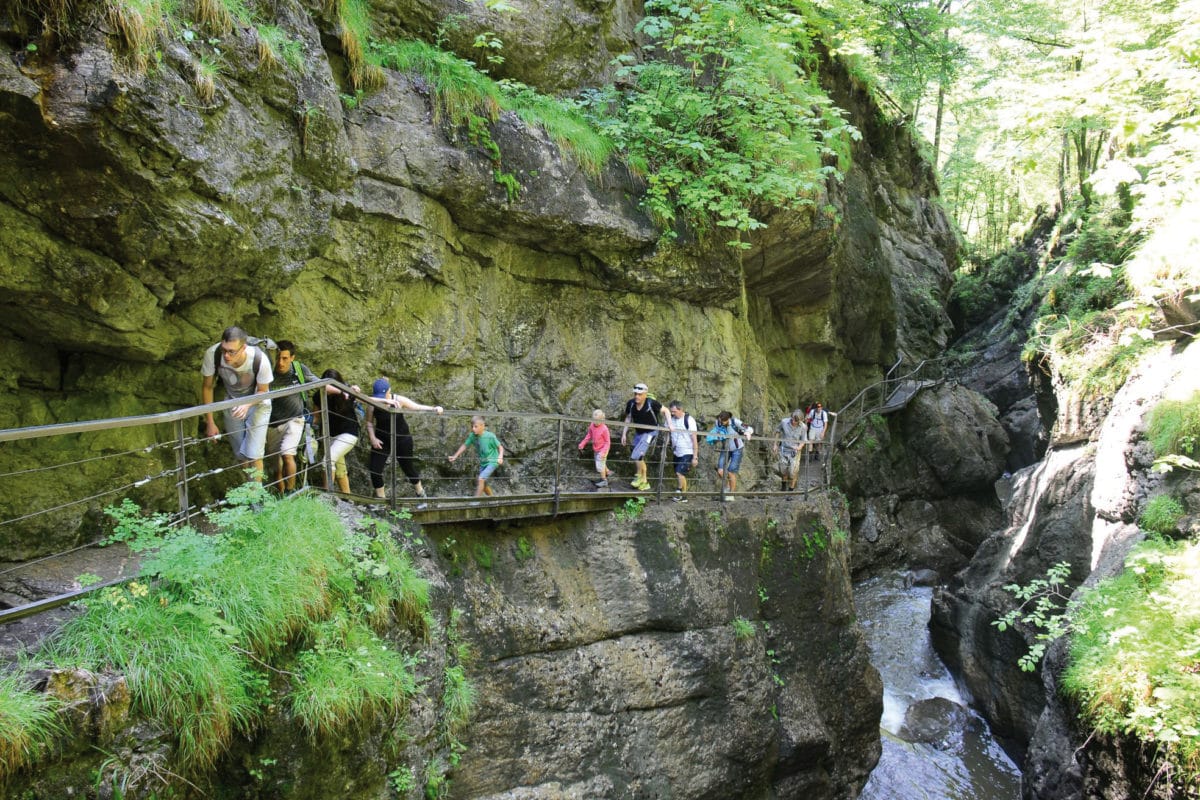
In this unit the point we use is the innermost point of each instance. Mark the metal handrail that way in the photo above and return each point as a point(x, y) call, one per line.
point(179, 440)
point(883, 389)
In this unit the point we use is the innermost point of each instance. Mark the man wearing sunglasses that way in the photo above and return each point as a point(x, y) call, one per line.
point(245, 371)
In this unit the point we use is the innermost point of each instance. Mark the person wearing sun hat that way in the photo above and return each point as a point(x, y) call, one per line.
point(379, 434)
point(642, 409)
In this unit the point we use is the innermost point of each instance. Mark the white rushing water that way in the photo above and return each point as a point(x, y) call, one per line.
point(965, 763)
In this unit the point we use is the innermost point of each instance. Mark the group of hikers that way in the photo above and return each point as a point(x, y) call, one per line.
point(729, 433)
point(282, 426)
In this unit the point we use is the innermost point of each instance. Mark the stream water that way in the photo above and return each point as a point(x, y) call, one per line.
point(945, 751)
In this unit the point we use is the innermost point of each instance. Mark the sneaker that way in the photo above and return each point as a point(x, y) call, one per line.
point(600, 484)
point(679, 498)
point(729, 498)
point(422, 506)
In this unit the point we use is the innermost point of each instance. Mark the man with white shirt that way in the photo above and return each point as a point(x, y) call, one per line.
point(684, 445)
point(245, 371)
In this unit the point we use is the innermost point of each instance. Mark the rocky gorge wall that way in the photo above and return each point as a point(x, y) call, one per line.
point(689, 651)
point(137, 221)
point(1079, 504)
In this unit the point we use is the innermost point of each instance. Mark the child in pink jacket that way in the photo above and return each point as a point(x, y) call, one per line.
point(598, 434)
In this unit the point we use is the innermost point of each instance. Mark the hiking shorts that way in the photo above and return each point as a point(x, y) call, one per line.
point(641, 445)
point(487, 470)
point(284, 438)
point(683, 463)
point(787, 465)
point(731, 457)
point(601, 461)
point(340, 445)
point(248, 437)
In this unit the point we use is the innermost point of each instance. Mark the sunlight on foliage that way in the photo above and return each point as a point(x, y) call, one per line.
point(1135, 654)
point(195, 641)
point(729, 120)
point(350, 676)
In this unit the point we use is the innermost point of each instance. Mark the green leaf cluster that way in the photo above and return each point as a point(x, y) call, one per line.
point(1174, 427)
point(727, 122)
point(1043, 608)
point(1161, 515)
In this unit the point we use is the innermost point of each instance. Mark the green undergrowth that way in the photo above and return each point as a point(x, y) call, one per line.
point(1135, 655)
point(1174, 428)
point(281, 589)
point(1089, 326)
point(28, 724)
point(1161, 515)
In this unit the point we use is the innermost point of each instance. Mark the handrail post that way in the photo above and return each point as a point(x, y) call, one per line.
point(395, 455)
point(723, 472)
point(662, 464)
point(558, 465)
point(326, 461)
point(182, 481)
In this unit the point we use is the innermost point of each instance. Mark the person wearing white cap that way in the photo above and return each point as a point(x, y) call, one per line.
point(642, 409)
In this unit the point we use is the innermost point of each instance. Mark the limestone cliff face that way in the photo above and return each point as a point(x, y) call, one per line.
point(137, 221)
point(610, 665)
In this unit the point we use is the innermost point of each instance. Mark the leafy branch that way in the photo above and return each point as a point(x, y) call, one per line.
point(1045, 606)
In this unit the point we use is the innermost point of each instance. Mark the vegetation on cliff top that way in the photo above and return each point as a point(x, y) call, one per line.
point(723, 121)
point(220, 629)
point(1134, 638)
point(1135, 654)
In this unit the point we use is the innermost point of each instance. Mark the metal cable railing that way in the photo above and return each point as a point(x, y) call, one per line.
point(185, 476)
point(874, 398)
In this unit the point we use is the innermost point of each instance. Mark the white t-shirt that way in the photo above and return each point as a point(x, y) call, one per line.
point(681, 434)
point(239, 381)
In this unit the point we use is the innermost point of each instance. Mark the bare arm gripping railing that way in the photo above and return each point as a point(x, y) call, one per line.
point(175, 418)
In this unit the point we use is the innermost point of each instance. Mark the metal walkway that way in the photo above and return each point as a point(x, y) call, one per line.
point(182, 478)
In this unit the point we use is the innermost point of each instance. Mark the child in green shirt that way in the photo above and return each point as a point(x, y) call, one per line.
point(491, 454)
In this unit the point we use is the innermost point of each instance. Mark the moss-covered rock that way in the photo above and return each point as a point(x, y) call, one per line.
point(139, 220)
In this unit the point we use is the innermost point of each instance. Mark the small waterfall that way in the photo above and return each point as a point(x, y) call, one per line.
point(934, 746)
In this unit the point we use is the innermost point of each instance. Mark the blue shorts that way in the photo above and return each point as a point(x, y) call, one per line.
point(248, 436)
point(683, 463)
point(734, 458)
point(641, 444)
point(487, 471)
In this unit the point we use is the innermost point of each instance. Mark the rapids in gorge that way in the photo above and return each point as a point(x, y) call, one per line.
point(934, 745)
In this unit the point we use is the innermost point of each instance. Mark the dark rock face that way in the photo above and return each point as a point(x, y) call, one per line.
point(1079, 505)
point(923, 482)
point(610, 666)
point(1052, 504)
point(937, 721)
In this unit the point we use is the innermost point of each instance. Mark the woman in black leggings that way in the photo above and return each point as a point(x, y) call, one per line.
point(379, 433)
